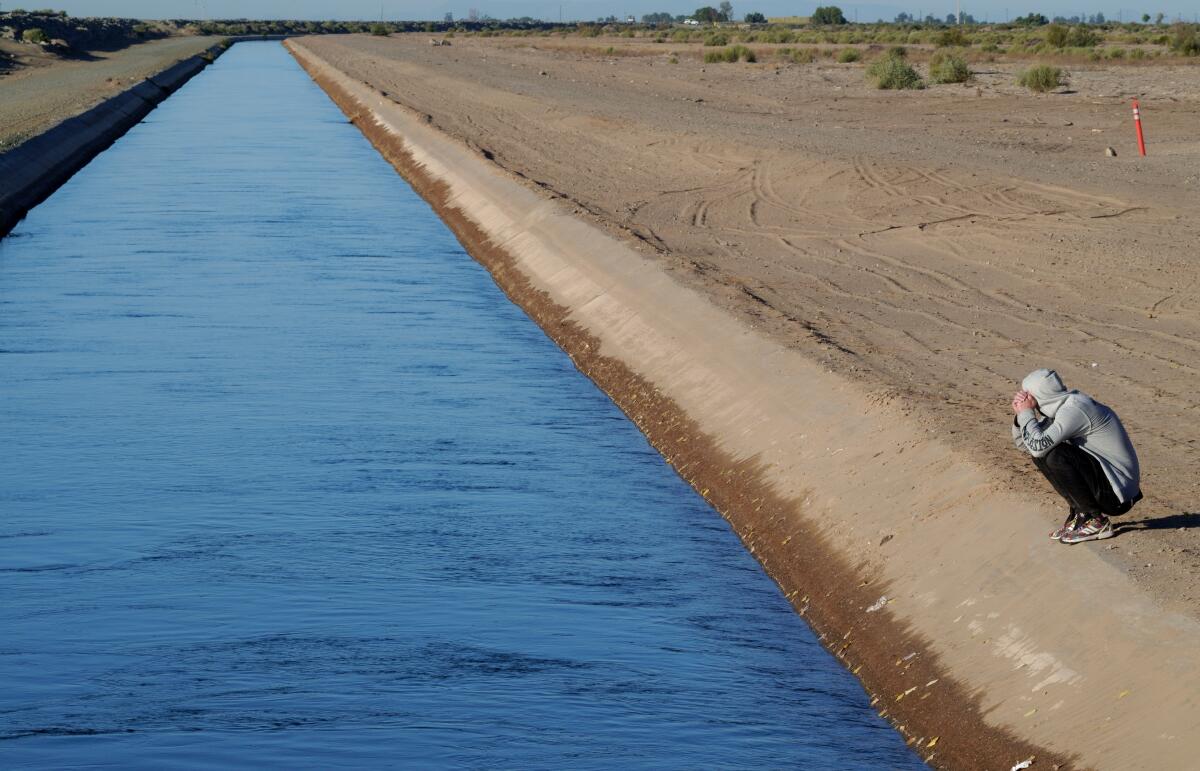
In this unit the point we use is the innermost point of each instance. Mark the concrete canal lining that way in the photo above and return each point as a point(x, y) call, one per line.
point(983, 642)
point(36, 168)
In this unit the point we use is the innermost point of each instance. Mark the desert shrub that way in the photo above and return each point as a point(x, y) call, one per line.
point(952, 38)
point(847, 55)
point(673, 60)
point(948, 68)
point(1115, 53)
point(804, 56)
point(730, 54)
point(779, 35)
point(990, 48)
point(379, 30)
point(1185, 39)
point(1042, 78)
point(900, 52)
point(719, 39)
point(892, 72)
point(34, 35)
point(1056, 35)
point(1137, 53)
point(1082, 37)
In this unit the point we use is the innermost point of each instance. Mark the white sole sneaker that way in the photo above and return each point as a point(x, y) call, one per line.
point(1087, 534)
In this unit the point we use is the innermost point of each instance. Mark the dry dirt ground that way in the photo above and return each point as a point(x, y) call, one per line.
point(936, 245)
point(44, 89)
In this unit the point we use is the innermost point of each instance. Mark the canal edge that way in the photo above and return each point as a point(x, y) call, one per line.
point(953, 721)
point(37, 167)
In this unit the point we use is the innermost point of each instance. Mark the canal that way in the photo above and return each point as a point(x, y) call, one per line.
point(286, 481)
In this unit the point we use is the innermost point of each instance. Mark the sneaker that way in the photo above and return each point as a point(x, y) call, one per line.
point(1067, 526)
point(1093, 529)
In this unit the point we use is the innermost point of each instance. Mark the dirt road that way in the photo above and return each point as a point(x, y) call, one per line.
point(50, 89)
point(935, 245)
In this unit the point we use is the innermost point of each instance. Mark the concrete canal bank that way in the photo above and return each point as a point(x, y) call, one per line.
point(33, 170)
point(983, 642)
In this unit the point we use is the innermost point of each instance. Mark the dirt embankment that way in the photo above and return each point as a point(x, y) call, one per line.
point(49, 88)
point(922, 565)
point(36, 167)
point(934, 246)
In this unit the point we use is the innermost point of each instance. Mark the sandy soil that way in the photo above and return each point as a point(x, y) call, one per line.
point(934, 245)
point(46, 89)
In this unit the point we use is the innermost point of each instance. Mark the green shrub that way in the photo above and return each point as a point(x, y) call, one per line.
point(847, 55)
point(379, 30)
point(1042, 78)
point(990, 48)
point(1185, 39)
point(779, 35)
point(1056, 35)
point(1116, 53)
point(1082, 37)
point(731, 54)
point(1137, 53)
point(900, 52)
point(718, 39)
point(948, 68)
point(952, 38)
point(34, 35)
point(892, 72)
point(804, 56)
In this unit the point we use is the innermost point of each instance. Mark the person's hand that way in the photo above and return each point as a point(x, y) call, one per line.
point(1023, 400)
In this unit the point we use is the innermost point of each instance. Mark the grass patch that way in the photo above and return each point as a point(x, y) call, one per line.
point(948, 68)
point(847, 55)
point(892, 72)
point(716, 40)
point(1042, 78)
point(730, 54)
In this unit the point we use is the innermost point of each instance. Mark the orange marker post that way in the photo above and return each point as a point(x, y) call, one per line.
point(1137, 123)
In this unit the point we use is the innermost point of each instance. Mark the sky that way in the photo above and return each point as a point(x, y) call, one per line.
point(574, 10)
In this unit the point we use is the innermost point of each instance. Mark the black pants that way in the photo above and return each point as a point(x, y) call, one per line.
point(1078, 477)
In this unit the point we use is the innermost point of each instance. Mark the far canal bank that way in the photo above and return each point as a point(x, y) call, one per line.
point(290, 482)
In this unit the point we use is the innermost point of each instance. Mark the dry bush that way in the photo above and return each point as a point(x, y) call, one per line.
point(1042, 78)
point(948, 68)
point(892, 72)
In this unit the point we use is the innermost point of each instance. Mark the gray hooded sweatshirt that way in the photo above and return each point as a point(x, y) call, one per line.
point(1075, 417)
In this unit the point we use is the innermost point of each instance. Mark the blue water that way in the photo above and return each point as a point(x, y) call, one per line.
point(286, 481)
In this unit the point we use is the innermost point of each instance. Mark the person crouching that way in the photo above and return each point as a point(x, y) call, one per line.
point(1081, 447)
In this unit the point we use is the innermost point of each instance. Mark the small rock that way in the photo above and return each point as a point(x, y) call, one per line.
point(1068, 123)
point(1110, 152)
point(543, 73)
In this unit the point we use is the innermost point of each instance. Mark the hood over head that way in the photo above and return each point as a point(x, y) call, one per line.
point(1047, 387)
